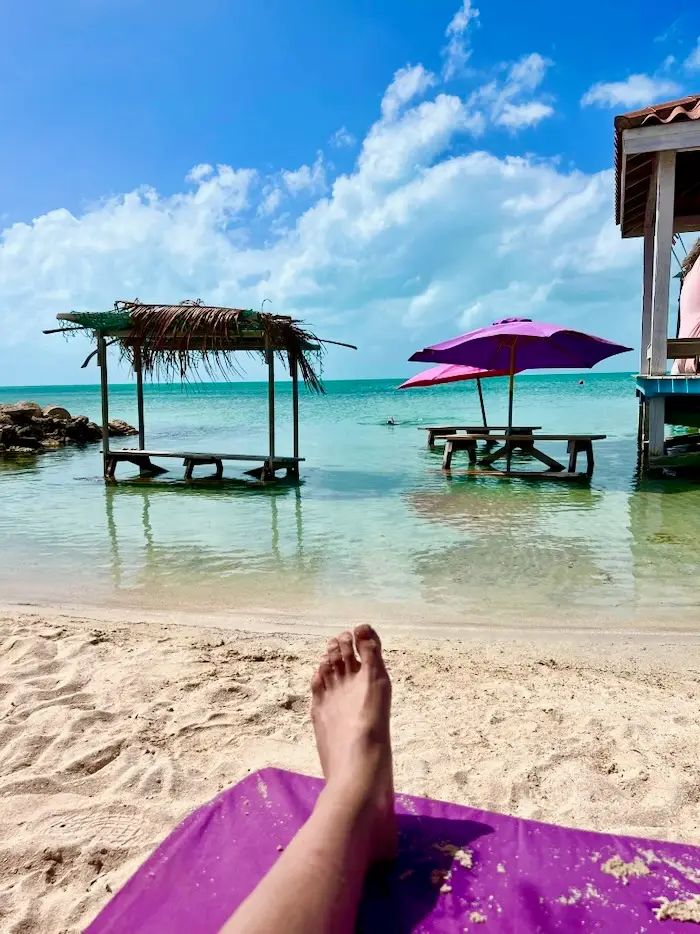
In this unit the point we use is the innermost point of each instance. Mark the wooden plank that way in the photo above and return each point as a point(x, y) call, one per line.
point(691, 459)
point(123, 453)
point(679, 440)
point(663, 241)
point(663, 137)
point(530, 438)
point(686, 223)
point(493, 456)
point(680, 348)
point(546, 459)
point(526, 474)
point(517, 429)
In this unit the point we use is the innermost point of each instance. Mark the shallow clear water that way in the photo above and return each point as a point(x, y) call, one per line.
point(375, 525)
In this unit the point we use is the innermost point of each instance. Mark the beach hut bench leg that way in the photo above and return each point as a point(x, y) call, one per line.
point(590, 460)
point(471, 451)
point(447, 456)
point(431, 439)
point(111, 467)
point(219, 475)
point(267, 471)
point(572, 448)
point(189, 468)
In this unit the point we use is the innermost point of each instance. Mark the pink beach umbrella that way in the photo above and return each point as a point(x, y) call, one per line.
point(521, 344)
point(453, 373)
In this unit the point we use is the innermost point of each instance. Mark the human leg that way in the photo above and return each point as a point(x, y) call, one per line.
point(315, 886)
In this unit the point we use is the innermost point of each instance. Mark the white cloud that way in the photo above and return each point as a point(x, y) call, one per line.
point(692, 62)
point(309, 179)
point(341, 138)
point(456, 53)
point(199, 172)
point(508, 102)
point(516, 116)
point(271, 200)
point(407, 84)
point(635, 91)
point(419, 239)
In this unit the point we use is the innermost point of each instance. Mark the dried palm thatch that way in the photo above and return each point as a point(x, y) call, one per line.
point(176, 340)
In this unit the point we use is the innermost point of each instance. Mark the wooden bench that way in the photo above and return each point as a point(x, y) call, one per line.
point(441, 431)
point(576, 444)
point(191, 459)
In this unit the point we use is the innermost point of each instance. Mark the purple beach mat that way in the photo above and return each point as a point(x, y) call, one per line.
point(509, 874)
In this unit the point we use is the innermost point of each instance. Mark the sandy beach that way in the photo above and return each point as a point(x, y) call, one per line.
point(112, 731)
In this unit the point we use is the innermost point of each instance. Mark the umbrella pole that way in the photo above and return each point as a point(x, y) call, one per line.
point(481, 403)
point(510, 402)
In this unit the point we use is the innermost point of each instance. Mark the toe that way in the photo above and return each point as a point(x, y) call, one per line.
point(335, 656)
point(317, 683)
point(347, 650)
point(369, 646)
point(325, 671)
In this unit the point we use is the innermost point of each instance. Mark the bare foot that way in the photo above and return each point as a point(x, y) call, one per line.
point(350, 710)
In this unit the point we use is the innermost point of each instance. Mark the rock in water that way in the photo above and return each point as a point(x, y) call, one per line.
point(119, 428)
point(22, 412)
point(57, 412)
point(26, 428)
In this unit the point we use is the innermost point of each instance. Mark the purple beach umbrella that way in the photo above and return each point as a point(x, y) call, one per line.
point(515, 344)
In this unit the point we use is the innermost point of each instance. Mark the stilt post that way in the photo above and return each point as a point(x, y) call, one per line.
point(104, 394)
point(295, 402)
point(271, 401)
point(663, 241)
point(138, 367)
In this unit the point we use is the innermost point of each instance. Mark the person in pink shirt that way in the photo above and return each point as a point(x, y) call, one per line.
point(689, 309)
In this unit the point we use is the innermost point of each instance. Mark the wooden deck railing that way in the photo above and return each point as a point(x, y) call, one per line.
point(682, 348)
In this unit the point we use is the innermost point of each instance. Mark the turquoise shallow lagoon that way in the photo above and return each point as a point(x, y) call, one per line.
point(375, 526)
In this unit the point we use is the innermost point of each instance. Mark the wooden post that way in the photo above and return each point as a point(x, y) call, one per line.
point(481, 403)
point(104, 394)
point(648, 278)
point(295, 403)
point(138, 367)
point(663, 241)
point(271, 400)
point(511, 388)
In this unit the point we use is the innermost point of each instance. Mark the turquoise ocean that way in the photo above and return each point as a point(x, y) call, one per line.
point(374, 528)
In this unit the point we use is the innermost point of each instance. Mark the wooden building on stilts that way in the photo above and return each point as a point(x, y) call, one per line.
point(657, 167)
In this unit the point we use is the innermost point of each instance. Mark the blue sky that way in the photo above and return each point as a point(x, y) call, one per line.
point(393, 173)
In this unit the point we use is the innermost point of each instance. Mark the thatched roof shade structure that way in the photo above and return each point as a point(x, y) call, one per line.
point(173, 338)
point(173, 341)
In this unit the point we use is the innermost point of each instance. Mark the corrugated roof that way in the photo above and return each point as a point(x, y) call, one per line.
point(640, 167)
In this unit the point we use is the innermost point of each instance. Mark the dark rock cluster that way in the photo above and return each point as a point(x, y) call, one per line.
point(27, 428)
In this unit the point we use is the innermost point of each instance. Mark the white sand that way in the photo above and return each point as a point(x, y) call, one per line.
point(111, 733)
